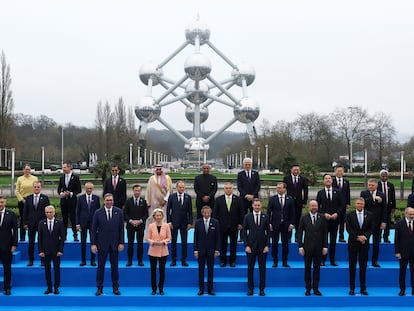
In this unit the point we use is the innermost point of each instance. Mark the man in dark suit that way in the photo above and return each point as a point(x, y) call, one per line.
point(331, 206)
point(205, 187)
point(229, 212)
point(248, 184)
point(107, 237)
point(359, 225)
point(8, 242)
point(117, 186)
point(410, 200)
point(180, 218)
point(135, 215)
point(281, 211)
point(375, 203)
point(342, 184)
point(313, 245)
point(404, 248)
point(50, 242)
point(297, 188)
point(256, 235)
point(206, 247)
point(388, 190)
point(86, 206)
point(33, 213)
point(69, 187)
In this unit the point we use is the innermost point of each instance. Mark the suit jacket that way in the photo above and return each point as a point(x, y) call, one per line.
point(107, 234)
point(275, 211)
point(179, 215)
point(8, 231)
point(378, 209)
point(74, 186)
point(51, 243)
point(298, 193)
point(316, 236)
point(205, 185)
point(257, 238)
point(335, 205)
point(229, 219)
point(120, 193)
point(390, 191)
point(353, 229)
point(206, 243)
point(403, 241)
point(84, 213)
point(345, 190)
point(246, 186)
point(132, 212)
point(31, 215)
point(164, 236)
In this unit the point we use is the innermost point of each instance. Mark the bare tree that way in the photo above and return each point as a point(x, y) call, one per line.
point(383, 134)
point(99, 125)
point(6, 104)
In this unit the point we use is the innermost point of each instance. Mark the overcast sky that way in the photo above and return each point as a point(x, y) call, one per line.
point(309, 56)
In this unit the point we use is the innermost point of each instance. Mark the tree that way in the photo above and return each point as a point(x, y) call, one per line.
point(6, 104)
point(383, 134)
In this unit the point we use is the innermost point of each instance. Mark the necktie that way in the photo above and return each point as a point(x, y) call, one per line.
point(282, 204)
point(228, 202)
point(295, 181)
point(248, 175)
point(1, 218)
point(136, 202)
point(109, 215)
point(360, 219)
point(384, 187)
point(206, 225)
point(313, 219)
point(114, 182)
point(340, 183)
point(410, 227)
point(50, 226)
point(67, 180)
point(89, 201)
point(329, 194)
point(257, 220)
point(35, 200)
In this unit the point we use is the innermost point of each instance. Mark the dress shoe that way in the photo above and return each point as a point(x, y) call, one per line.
point(30, 263)
point(352, 292)
point(153, 292)
point(222, 264)
point(116, 291)
point(401, 293)
point(141, 264)
point(250, 292)
point(275, 264)
point(75, 238)
point(376, 265)
point(334, 263)
point(322, 263)
point(162, 292)
point(93, 263)
point(200, 292)
point(364, 292)
point(262, 293)
point(56, 291)
point(307, 293)
point(98, 291)
point(342, 240)
point(48, 291)
point(211, 293)
point(173, 263)
point(42, 264)
point(232, 264)
point(412, 292)
point(286, 265)
point(184, 263)
point(317, 292)
point(387, 241)
point(83, 263)
point(7, 292)
point(129, 264)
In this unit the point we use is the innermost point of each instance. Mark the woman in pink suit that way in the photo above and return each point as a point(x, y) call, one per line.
point(158, 237)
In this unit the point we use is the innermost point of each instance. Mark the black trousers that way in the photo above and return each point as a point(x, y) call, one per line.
point(139, 233)
point(227, 235)
point(333, 234)
point(314, 257)
point(403, 270)
point(84, 234)
point(360, 254)
point(174, 236)
point(386, 234)
point(113, 258)
point(6, 258)
point(68, 208)
point(376, 240)
point(283, 232)
point(202, 260)
point(31, 232)
point(48, 270)
point(22, 236)
point(161, 261)
point(342, 218)
point(251, 261)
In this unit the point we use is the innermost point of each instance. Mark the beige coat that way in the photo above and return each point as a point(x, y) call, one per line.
point(158, 241)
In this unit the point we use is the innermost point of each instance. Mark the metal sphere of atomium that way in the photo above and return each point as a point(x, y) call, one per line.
point(150, 71)
point(245, 71)
point(196, 95)
point(197, 66)
point(189, 113)
point(196, 144)
point(197, 29)
point(248, 110)
point(147, 109)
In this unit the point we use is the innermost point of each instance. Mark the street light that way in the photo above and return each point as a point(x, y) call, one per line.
point(130, 158)
point(351, 139)
point(266, 156)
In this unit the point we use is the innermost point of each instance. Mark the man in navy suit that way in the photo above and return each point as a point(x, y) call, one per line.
point(342, 184)
point(135, 214)
point(313, 245)
point(117, 186)
point(388, 190)
point(33, 213)
point(8, 242)
point(256, 235)
point(229, 211)
point(248, 184)
point(331, 206)
point(404, 248)
point(359, 224)
point(281, 211)
point(69, 187)
point(375, 203)
point(206, 247)
point(86, 206)
point(50, 242)
point(107, 237)
point(180, 218)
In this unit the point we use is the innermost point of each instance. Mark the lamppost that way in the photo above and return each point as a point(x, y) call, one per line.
point(130, 158)
point(266, 156)
point(351, 135)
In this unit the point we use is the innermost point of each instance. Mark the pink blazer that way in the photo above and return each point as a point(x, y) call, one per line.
point(158, 250)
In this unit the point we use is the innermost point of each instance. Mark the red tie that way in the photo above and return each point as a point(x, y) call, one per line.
point(114, 182)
